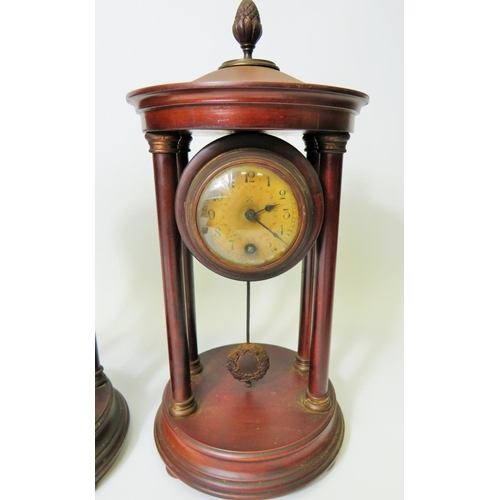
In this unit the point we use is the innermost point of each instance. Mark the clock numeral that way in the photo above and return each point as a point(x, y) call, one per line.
point(286, 215)
point(268, 181)
point(269, 243)
point(211, 214)
point(281, 230)
point(232, 244)
point(218, 195)
point(250, 177)
point(217, 233)
point(231, 179)
point(282, 193)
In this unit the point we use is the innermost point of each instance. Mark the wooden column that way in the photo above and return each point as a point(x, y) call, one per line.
point(187, 268)
point(302, 361)
point(331, 148)
point(164, 147)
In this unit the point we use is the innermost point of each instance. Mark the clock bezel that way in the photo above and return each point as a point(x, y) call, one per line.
point(273, 153)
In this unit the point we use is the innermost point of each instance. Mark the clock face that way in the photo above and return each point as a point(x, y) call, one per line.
point(249, 206)
point(249, 214)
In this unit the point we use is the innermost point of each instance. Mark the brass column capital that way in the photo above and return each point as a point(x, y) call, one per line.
point(166, 142)
point(332, 142)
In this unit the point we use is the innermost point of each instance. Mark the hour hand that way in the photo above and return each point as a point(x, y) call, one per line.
point(267, 208)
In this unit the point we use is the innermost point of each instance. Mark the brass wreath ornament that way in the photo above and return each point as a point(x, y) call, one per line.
point(242, 358)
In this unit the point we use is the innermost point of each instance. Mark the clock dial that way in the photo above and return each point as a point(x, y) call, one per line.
point(249, 206)
point(249, 215)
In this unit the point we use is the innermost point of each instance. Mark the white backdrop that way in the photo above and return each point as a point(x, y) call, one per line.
point(356, 44)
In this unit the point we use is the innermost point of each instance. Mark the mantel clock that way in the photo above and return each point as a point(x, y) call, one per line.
point(248, 420)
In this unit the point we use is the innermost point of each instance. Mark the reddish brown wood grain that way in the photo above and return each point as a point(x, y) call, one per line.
point(331, 149)
point(187, 269)
point(111, 421)
point(247, 106)
point(258, 442)
point(308, 279)
point(164, 149)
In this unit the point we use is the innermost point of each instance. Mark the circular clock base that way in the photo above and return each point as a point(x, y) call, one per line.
point(111, 425)
point(249, 442)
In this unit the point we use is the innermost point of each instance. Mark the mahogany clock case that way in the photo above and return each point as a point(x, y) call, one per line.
point(128, 239)
point(247, 96)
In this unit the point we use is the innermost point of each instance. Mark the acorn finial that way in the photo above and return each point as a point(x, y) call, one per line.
point(247, 28)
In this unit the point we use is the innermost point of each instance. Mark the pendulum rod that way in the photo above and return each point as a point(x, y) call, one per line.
point(248, 312)
point(248, 362)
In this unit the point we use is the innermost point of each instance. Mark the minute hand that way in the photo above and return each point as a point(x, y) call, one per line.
point(276, 235)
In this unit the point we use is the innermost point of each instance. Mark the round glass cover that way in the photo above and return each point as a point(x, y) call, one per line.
point(248, 214)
